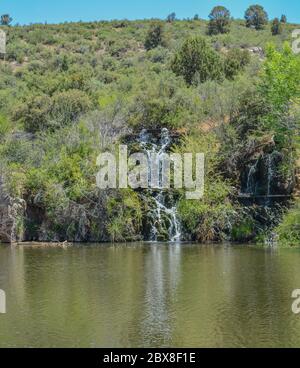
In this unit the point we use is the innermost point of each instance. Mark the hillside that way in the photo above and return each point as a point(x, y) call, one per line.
point(69, 91)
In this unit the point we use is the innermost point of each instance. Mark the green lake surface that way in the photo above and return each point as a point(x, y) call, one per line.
point(149, 295)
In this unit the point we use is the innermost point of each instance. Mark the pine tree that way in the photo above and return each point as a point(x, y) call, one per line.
point(219, 20)
point(256, 17)
point(6, 19)
point(283, 19)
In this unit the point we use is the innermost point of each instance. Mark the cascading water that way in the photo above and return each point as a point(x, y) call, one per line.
point(251, 179)
point(163, 215)
point(261, 175)
point(270, 175)
point(271, 172)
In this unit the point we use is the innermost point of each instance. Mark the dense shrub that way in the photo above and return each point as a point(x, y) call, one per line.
point(5, 126)
point(67, 106)
point(210, 218)
point(34, 113)
point(196, 61)
point(43, 112)
point(276, 27)
point(234, 61)
point(155, 36)
point(289, 230)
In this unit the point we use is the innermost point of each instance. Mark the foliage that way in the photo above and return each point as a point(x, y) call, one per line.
point(34, 114)
point(171, 17)
point(219, 20)
point(283, 19)
point(276, 27)
point(6, 19)
point(125, 216)
point(256, 17)
point(155, 36)
point(43, 112)
point(281, 77)
point(196, 61)
point(235, 61)
point(209, 218)
point(5, 126)
point(71, 91)
point(288, 231)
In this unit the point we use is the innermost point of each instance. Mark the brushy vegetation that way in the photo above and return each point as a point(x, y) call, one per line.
point(69, 91)
point(289, 230)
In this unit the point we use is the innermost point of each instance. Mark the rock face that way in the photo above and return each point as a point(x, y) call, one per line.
point(11, 217)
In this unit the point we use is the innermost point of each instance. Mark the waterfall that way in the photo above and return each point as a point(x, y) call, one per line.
point(163, 215)
point(270, 174)
point(261, 175)
point(251, 179)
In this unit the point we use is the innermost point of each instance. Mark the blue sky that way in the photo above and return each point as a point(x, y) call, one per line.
point(56, 11)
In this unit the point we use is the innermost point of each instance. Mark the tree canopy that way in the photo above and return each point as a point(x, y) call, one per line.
point(219, 20)
point(196, 60)
point(6, 19)
point(256, 17)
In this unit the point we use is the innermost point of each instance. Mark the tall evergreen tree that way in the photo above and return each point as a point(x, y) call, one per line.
point(256, 17)
point(219, 20)
point(6, 19)
point(171, 17)
point(283, 19)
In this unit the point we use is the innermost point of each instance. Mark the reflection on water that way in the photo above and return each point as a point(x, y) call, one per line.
point(151, 295)
point(161, 278)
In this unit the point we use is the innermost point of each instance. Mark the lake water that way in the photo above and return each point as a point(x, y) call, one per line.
point(149, 295)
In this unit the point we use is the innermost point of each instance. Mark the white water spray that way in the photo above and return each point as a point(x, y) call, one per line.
point(162, 213)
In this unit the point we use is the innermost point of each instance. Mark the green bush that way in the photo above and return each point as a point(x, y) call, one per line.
point(155, 36)
point(34, 113)
point(196, 61)
point(234, 62)
point(5, 126)
point(210, 218)
point(289, 230)
point(68, 106)
point(43, 112)
point(125, 215)
point(276, 27)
